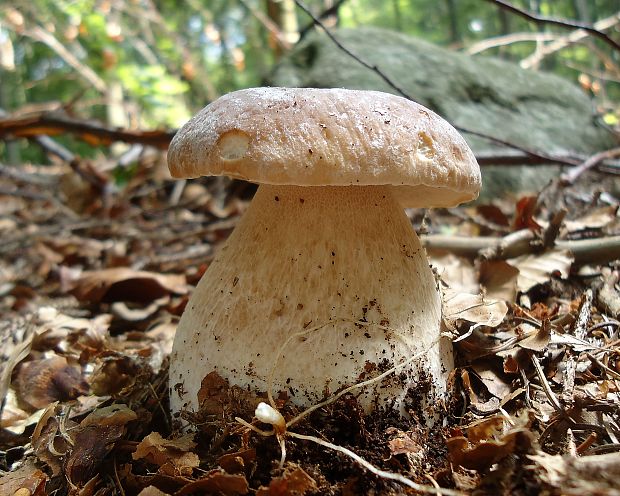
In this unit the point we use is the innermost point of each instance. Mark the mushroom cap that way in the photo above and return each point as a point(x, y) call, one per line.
point(329, 137)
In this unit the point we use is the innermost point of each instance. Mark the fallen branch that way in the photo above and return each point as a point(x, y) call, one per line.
point(51, 124)
point(571, 176)
point(599, 250)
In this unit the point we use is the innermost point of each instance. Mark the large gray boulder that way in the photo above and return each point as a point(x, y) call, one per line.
point(535, 110)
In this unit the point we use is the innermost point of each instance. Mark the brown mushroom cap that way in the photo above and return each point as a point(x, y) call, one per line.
point(335, 137)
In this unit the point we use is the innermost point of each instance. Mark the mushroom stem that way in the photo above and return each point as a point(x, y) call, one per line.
point(306, 256)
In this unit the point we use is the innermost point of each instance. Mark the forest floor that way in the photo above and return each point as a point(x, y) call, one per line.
point(94, 277)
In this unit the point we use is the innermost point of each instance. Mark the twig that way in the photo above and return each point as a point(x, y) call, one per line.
point(378, 472)
point(572, 175)
point(268, 24)
point(602, 366)
point(580, 329)
point(331, 11)
point(37, 33)
point(598, 250)
point(373, 68)
point(508, 39)
point(538, 19)
point(553, 399)
point(551, 233)
point(564, 41)
point(53, 123)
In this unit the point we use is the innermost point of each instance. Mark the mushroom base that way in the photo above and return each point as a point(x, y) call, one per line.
point(342, 270)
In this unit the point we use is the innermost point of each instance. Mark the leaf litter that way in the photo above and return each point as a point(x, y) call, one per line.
point(90, 300)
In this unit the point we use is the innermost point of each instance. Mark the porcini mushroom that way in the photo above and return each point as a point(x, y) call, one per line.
point(325, 245)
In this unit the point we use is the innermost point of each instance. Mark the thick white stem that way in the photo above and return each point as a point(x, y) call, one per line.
point(300, 257)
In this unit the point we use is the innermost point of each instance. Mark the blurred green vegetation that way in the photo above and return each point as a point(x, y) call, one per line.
point(153, 63)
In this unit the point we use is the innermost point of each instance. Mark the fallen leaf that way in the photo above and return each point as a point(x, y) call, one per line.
point(238, 461)
point(41, 382)
point(578, 476)
point(524, 214)
point(92, 440)
point(495, 384)
point(537, 338)
point(115, 374)
point(457, 273)
point(294, 482)
point(472, 308)
point(404, 442)
point(125, 284)
point(539, 268)
point(152, 491)
point(499, 280)
point(174, 456)
point(216, 482)
point(481, 455)
point(594, 219)
point(27, 478)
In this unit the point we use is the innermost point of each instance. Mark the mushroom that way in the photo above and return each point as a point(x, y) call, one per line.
point(324, 279)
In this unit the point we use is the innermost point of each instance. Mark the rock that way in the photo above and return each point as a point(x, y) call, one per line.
point(536, 110)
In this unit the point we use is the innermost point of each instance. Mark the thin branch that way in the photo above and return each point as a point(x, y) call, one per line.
point(372, 67)
point(564, 23)
point(268, 24)
point(508, 39)
point(39, 34)
point(571, 176)
point(565, 41)
point(599, 250)
point(50, 124)
point(331, 11)
point(403, 93)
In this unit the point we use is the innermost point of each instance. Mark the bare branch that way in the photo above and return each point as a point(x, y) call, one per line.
point(50, 124)
point(571, 176)
point(268, 24)
point(595, 250)
point(538, 19)
point(508, 39)
point(565, 41)
point(37, 33)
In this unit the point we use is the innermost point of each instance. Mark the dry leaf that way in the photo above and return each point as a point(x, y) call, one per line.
point(457, 273)
point(152, 491)
point(41, 382)
point(125, 284)
point(537, 339)
point(538, 268)
point(472, 308)
point(238, 461)
point(216, 482)
point(594, 219)
point(172, 456)
point(481, 455)
point(580, 476)
point(494, 383)
point(404, 442)
point(499, 280)
point(294, 482)
point(92, 441)
point(27, 478)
